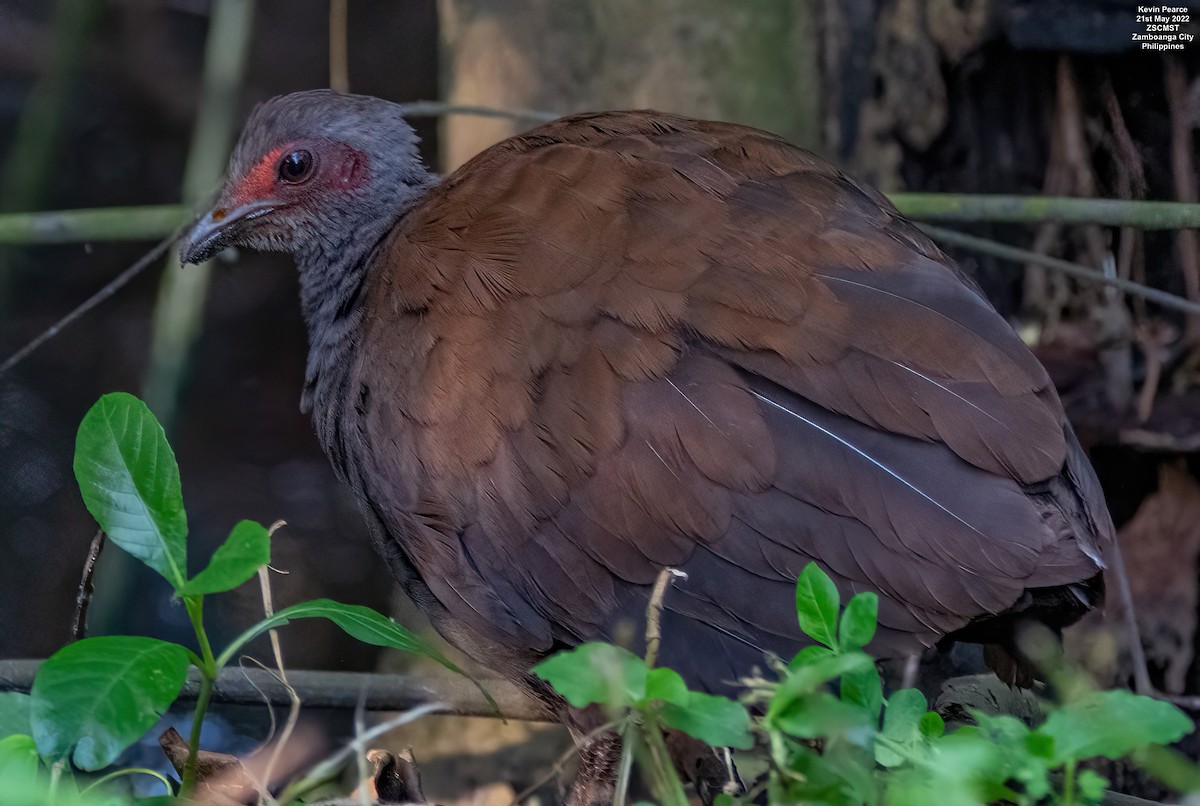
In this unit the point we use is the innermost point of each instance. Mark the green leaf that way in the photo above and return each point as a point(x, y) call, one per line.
point(716, 721)
point(809, 655)
point(817, 605)
point(1019, 752)
point(130, 483)
point(839, 775)
point(1112, 724)
point(820, 715)
point(901, 724)
point(1007, 732)
point(863, 688)
point(807, 678)
point(247, 549)
point(858, 622)
point(902, 719)
point(597, 673)
point(99, 695)
point(666, 685)
point(1091, 786)
point(367, 625)
point(18, 762)
point(810, 676)
point(14, 713)
point(1040, 746)
point(932, 726)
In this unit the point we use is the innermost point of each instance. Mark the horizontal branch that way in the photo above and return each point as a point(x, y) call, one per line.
point(100, 224)
point(149, 222)
point(1037, 209)
point(337, 690)
point(435, 109)
point(1076, 270)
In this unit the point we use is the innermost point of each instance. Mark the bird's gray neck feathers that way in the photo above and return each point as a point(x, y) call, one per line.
point(334, 271)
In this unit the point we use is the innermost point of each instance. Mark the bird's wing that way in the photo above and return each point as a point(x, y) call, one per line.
point(643, 341)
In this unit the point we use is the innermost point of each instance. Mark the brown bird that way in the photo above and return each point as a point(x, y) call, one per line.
point(629, 340)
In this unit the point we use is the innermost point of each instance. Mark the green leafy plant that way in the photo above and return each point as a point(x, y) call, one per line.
point(643, 700)
point(831, 737)
point(95, 697)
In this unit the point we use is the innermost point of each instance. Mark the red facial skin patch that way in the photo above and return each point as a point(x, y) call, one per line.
point(258, 182)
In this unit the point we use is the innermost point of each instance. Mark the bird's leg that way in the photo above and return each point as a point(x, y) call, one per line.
point(709, 769)
point(595, 782)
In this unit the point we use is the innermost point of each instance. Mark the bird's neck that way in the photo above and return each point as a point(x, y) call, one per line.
point(333, 275)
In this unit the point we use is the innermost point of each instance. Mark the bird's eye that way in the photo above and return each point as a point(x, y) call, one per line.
point(296, 167)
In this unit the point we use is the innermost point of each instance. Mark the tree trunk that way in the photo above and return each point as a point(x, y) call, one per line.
point(754, 63)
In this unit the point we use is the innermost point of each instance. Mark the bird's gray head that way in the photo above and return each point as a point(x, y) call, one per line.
point(310, 170)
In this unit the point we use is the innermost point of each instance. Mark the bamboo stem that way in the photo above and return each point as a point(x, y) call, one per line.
point(1036, 209)
point(101, 224)
point(154, 221)
point(182, 295)
point(28, 169)
point(339, 45)
point(30, 161)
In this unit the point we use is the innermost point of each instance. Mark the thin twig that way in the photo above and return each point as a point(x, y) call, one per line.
point(110, 288)
point(83, 598)
point(1153, 338)
point(1076, 152)
point(261, 782)
point(360, 758)
point(629, 746)
point(1017, 255)
point(1141, 672)
point(1130, 183)
point(339, 46)
point(654, 612)
point(289, 725)
point(325, 769)
point(434, 109)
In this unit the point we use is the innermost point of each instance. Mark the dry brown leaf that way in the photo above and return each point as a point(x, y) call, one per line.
point(1161, 545)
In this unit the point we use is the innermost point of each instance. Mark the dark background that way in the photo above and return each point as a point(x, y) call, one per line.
point(244, 448)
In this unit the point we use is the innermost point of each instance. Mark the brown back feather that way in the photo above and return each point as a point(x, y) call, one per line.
point(629, 340)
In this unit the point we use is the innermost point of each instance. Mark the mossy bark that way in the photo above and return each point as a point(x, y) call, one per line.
point(749, 62)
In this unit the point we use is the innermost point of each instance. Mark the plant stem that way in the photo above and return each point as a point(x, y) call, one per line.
point(1037, 209)
point(1024, 256)
point(195, 609)
point(128, 771)
point(668, 787)
point(192, 764)
point(629, 742)
point(1068, 797)
point(176, 321)
point(111, 287)
point(55, 774)
point(339, 47)
point(208, 675)
point(100, 224)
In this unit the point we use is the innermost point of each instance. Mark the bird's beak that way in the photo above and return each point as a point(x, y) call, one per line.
point(219, 228)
